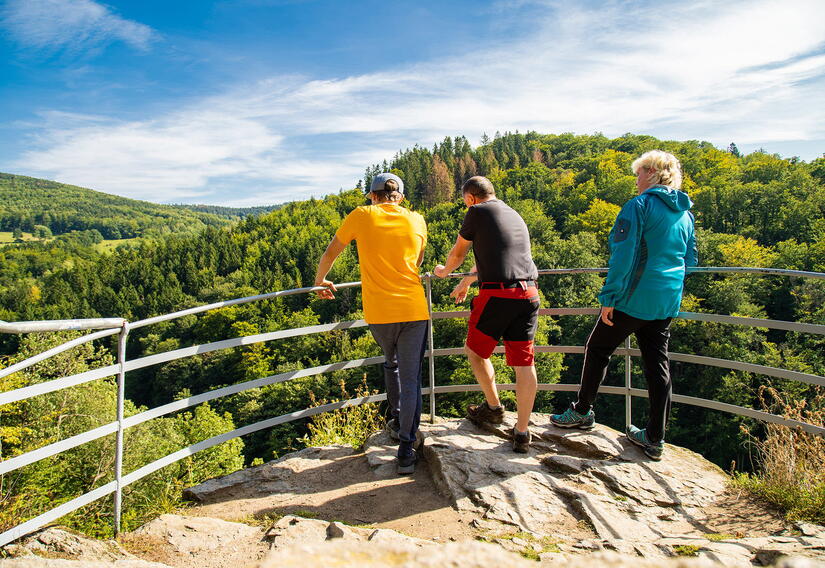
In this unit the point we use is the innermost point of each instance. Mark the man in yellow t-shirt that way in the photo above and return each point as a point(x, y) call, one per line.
point(390, 241)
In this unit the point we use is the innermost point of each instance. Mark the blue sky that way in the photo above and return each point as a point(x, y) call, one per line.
point(248, 102)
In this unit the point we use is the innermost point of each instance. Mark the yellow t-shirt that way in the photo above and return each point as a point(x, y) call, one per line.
point(390, 239)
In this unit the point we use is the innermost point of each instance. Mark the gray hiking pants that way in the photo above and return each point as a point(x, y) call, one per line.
point(403, 346)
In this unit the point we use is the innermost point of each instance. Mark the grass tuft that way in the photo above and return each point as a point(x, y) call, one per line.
point(791, 462)
point(349, 426)
point(718, 537)
point(686, 550)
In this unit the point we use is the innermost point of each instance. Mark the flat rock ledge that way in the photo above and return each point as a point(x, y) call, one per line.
point(589, 491)
point(580, 498)
point(282, 475)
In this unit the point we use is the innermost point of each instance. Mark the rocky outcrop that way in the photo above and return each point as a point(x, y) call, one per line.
point(309, 543)
point(55, 547)
point(197, 537)
point(457, 555)
point(40, 562)
point(383, 555)
point(577, 498)
point(570, 477)
point(590, 491)
point(278, 476)
point(291, 530)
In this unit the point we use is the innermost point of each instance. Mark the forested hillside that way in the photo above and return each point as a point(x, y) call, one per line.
point(754, 210)
point(32, 205)
point(233, 213)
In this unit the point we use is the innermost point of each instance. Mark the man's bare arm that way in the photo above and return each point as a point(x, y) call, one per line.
point(334, 249)
point(454, 259)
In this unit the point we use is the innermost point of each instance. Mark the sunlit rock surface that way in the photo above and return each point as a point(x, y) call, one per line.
point(577, 498)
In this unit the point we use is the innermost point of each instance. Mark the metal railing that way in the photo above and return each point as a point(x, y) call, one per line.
point(115, 326)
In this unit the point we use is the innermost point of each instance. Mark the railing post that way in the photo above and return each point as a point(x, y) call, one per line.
point(121, 392)
point(428, 276)
point(627, 370)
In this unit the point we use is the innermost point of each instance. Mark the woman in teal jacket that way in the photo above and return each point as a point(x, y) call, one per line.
point(651, 244)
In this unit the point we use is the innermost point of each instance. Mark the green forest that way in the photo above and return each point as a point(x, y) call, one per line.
point(758, 210)
point(46, 208)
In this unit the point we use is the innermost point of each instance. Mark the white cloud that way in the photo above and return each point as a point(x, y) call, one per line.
point(720, 72)
point(71, 25)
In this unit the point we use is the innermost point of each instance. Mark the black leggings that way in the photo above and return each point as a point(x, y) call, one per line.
point(652, 337)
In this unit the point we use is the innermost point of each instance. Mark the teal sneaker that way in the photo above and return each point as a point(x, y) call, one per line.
point(572, 419)
point(653, 450)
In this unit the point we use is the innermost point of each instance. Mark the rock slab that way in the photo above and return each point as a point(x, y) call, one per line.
point(591, 491)
point(55, 547)
point(596, 478)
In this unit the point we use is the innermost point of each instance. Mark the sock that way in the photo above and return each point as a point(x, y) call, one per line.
point(586, 411)
point(517, 431)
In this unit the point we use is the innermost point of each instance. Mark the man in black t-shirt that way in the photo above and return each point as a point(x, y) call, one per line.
point(507, 304)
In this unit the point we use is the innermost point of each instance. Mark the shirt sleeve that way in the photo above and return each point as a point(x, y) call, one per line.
point(468, 227)
point(624, 239)
point(349, 228)
point(692, 254)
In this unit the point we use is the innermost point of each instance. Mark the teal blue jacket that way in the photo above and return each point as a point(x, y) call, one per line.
point(651, 244)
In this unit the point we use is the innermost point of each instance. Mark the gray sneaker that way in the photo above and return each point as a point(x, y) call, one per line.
point(480, 413)
point(521, 441)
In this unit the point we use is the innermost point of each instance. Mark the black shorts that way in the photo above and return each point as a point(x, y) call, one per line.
point(509, 313)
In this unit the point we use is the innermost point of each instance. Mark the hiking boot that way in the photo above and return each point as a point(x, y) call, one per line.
point(572, 419)
point(521, 441)
point(480, 413)
point(407, 458)
point(653, 450)
point(392, 429)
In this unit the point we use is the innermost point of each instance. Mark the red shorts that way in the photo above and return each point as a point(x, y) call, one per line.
point(508, 313)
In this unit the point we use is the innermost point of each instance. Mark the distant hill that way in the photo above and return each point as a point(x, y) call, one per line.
point(229, 212)
point(29, 204)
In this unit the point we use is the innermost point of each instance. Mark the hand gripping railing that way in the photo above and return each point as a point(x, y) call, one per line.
point(113, 326)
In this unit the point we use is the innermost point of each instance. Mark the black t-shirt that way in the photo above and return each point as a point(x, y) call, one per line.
point(501, 243)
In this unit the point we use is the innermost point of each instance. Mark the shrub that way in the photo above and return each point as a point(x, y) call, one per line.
point(348, 426)
point(791, 461)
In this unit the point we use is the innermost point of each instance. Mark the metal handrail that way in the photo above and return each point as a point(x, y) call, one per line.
point(112, 326)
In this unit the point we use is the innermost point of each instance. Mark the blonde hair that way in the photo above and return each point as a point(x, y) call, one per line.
point(666, 166)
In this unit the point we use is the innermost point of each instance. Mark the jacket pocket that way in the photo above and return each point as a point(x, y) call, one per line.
point(622, 230)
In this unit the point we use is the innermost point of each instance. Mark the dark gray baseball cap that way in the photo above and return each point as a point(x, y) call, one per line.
point(379, 181)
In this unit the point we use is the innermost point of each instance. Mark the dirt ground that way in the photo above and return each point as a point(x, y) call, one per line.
point(350, 491)
point(741, 515)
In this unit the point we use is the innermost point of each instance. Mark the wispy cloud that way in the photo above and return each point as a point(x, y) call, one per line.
point(742, 72)
point(71, 25)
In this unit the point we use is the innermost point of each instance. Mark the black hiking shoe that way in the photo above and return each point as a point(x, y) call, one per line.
point(480, 413)
point(521, 441)
point(392, 429)
point(407, 458)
